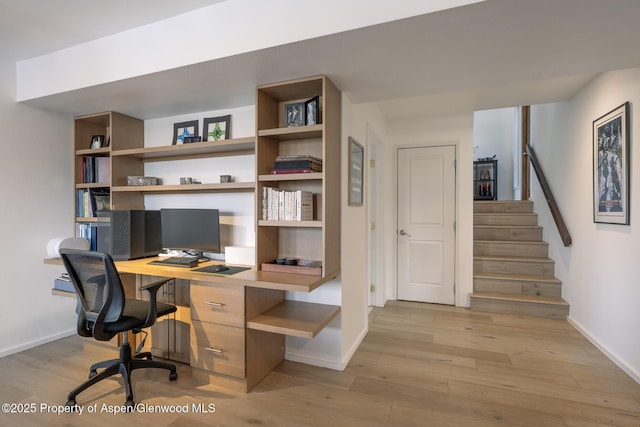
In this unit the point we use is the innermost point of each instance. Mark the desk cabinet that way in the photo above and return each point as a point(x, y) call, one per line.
point(217, 328)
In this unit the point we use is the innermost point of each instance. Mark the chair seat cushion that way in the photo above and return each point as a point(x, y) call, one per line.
point(135, 313)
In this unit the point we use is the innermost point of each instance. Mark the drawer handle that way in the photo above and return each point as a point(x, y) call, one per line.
point(214, 350)
point(214, 304)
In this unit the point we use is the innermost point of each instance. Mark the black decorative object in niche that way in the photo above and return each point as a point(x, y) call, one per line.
point(485, 179)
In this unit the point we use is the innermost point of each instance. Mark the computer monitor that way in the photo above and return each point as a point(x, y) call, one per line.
point(196, 230)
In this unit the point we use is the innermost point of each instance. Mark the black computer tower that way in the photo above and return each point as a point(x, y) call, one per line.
point(129, 234)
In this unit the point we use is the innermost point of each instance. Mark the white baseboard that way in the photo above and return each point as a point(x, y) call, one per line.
point(622, 364)
point(35, 343)
point(330, 364)
point(314, 361)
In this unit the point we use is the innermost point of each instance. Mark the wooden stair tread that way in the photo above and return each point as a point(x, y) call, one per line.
point(536, 299)
point(513, 242)
point(498, 227)
point(521, 277)
point(512, 258)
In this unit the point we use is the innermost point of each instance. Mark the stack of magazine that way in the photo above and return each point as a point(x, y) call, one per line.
point(297, 163)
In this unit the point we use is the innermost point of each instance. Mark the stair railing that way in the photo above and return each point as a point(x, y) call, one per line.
point(551, 201)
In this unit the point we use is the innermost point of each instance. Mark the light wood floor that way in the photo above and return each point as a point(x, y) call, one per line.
point(420, 365)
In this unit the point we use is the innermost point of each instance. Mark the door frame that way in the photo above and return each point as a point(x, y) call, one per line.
point(463, 258)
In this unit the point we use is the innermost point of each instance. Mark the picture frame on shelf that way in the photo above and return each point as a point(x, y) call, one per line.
point(97, 141)
point(611, 142)
point(294, 114)
point(184, 130)
point(312, 111)
point(356, 172)
point(216, 128)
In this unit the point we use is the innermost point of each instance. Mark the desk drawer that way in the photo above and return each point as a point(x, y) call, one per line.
point(219, 303)
point(218, 348)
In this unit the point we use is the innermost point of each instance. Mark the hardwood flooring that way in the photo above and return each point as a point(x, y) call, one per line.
point(420, 365)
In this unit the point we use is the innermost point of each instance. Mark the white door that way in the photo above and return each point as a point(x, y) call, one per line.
point(426, 224)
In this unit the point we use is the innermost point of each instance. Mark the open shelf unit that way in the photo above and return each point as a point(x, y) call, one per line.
point(119, 132)
point(320, 238)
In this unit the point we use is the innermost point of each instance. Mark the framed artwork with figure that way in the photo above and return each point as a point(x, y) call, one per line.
point(611, 167)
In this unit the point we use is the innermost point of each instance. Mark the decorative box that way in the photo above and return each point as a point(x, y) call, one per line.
point(142, 180)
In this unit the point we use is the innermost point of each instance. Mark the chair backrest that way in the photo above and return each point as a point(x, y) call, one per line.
point(99, 289)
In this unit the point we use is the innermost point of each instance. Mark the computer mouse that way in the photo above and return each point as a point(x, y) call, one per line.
point(220, 268)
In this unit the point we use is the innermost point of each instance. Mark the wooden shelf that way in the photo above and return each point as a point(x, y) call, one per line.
point(85, 185)
point(104, 151)
point(307, 224)
point(237, 146)
point(299, 132)
point(181, 188)
point(290, 177)
point(295, 318)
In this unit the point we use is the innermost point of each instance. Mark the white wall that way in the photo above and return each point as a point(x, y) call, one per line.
point(438, 130)
point(236, 208)
point(493, 134)
point(36, 182)
point(599, 271)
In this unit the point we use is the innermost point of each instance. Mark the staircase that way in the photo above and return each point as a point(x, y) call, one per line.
point(512, 272)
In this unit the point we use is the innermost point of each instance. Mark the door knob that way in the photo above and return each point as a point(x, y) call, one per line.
point(404, 233)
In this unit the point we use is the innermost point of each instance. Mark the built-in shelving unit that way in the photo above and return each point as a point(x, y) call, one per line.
point(118, 132)
point(250, 328)
point(296, 239)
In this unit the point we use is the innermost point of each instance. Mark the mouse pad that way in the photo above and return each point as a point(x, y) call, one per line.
point(211, 269)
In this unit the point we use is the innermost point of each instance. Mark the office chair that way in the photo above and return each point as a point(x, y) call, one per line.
point(103, 312)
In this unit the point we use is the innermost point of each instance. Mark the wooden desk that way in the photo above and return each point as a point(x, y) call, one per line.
point(234, 325)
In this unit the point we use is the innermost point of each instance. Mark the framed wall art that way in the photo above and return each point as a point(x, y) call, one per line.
point(216, 128)
point(356, 172)
point(184, 130)
point(611, 167)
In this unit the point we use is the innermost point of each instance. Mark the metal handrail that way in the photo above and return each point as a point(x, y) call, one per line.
point(551, 201)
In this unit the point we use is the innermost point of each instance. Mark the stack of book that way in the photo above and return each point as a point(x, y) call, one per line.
point(297, 163)
point(95, 169)
point(282, 205)
point(90, 201)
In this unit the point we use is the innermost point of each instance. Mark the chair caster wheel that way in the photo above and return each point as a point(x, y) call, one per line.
point(173, 376)
point(70, 403)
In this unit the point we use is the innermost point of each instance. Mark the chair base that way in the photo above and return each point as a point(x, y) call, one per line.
point(125, 365)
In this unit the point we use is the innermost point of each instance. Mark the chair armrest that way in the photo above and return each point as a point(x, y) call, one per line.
point(152, 288)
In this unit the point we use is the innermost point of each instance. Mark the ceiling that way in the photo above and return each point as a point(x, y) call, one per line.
point(491, 54)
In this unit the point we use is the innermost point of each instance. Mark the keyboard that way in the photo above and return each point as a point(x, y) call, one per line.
point(183, 261)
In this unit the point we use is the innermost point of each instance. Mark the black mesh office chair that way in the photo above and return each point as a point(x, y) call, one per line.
point(103, 312)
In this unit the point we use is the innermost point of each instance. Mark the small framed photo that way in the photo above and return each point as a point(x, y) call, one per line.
point(312, 111)
point(184, 130)
point(97, 141)
point(611, 142)
point(356, 172)
point(216, 128)
point(294, 114)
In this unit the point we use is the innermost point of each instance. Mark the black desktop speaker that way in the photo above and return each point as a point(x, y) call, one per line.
point(129, 234)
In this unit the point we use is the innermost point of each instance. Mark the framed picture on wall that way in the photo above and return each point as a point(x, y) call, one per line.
point(356, 172)
point(184, 130)
point(611, 167)
point(216, 128)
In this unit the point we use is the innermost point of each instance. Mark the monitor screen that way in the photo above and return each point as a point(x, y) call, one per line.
point(191, 229)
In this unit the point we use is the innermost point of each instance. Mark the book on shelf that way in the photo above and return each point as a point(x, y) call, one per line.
point(290, 171)
point(297, 163)
point(90, 201)
point(95, 169)
point(282, 205)
point(88, 231)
